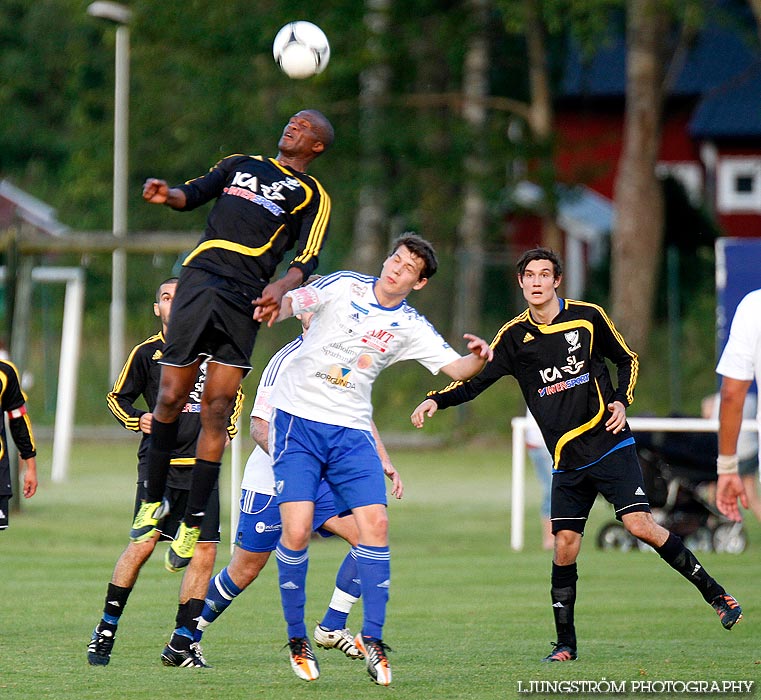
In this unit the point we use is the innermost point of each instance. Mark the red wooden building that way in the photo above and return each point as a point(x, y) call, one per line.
point(711, 135)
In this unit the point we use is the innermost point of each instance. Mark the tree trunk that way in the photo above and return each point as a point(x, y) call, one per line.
point(470, 249)
point(636, 248)
point(370, 230)
point(541, 121)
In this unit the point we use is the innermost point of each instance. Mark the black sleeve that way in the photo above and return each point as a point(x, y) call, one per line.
point(313, 232)
point(614, 347)
point(460, 392)
point(209, 186)
point(128, 388)
point(21, 431)
point(14, 404)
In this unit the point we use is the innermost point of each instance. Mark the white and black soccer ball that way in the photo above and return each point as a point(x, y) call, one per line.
point(301, 49)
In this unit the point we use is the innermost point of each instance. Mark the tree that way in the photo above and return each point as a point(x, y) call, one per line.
point(541, 118)
point(655, 51)
point(637, 240)
point(470, 233)
point(371, 221)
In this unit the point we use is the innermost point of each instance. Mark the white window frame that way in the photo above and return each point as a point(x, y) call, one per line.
point(728, 199)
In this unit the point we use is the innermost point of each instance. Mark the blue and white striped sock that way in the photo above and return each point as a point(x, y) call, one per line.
point(374, 567)
point(292, 576)
point(345, 594)
point(222, 591)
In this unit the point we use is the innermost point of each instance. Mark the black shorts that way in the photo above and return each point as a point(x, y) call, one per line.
point(212, 317)
point(748, 466)
point(4, 505)
point(178, 500)
point(617, 477)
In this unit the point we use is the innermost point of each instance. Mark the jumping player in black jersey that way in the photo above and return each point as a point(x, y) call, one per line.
point(556, 350)
point(264, 208)
point(140, 379)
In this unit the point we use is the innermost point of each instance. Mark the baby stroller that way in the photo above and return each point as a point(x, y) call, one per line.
point(679, 470)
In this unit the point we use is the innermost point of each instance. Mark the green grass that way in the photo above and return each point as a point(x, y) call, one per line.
point(468, 617)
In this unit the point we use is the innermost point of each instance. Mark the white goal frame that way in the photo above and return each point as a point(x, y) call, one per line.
point(68, 367)
point(517, 517)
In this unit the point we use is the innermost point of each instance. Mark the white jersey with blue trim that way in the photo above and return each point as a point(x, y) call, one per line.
point(258, 475)
point(351, 339)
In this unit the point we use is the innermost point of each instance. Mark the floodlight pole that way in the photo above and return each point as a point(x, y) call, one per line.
point(120, 15)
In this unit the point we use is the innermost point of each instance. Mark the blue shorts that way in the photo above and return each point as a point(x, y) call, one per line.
point(306, 451)
point(259, 524)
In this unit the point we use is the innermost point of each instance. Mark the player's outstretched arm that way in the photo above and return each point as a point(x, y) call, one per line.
point(157, 191)
point(427, 408)
point(470, 365)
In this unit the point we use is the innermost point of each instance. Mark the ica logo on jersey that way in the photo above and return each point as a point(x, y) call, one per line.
point(273, 191)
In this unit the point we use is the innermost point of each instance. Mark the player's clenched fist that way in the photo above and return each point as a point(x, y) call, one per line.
point(155, 191)
point(427, 408)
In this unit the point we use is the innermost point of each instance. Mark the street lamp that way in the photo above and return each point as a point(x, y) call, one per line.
point(120, 15)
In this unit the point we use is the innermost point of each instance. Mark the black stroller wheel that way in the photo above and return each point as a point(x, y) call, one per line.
point(702, 540)
point(730, 538)
point(614, 536)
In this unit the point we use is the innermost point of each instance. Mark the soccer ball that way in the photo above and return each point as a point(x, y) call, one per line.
point(301, 49)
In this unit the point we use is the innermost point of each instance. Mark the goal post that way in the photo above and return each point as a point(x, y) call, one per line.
point(68, 369)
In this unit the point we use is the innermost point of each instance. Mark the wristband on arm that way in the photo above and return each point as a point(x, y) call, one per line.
point(727, 464)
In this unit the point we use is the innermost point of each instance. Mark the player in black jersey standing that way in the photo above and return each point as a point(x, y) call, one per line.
point(264, 208)
point(140, 379)
point(556, 350)
point(13, 402)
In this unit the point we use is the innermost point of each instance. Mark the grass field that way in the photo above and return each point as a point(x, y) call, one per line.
point(468, 617)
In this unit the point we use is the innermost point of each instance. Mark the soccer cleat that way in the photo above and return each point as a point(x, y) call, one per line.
point(303, 661)
point(562, 652)
point(374, 650)
point(184, 658)
point(196, 647)
point(144, 524)
point(728, 610)
point(181, 551)
point(337, 639)
point(100, 646)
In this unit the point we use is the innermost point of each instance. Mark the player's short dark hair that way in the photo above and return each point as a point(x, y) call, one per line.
point(323, 127)
point(169, 280)
point(540, 254)
point(420, 248)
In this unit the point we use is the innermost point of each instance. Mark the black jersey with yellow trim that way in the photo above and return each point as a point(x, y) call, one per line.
point(140, 378)
point(13, 404)
point(263, 209)
point(562, 372)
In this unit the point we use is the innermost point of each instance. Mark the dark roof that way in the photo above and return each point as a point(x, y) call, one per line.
point(721, 73)
point(732, 110)
point(600, 75)
point(724, 47)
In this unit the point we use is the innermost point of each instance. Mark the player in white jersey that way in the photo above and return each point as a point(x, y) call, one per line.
point(259, 523)
point(321, 425)
point(739, 365)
